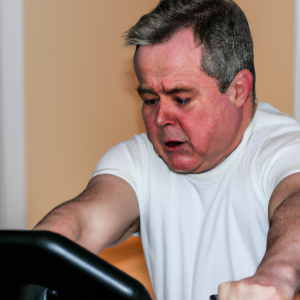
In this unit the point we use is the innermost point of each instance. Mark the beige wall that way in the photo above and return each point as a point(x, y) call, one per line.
point(271, 24)
point(80, 97)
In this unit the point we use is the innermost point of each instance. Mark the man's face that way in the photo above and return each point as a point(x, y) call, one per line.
point(191, 125)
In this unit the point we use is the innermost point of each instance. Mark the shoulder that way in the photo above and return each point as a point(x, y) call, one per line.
point(137, 146)
point(126, 159)
point(268, 117)
point(274, 127)
point(129, 156)
point(274, 145)
point(271, 129)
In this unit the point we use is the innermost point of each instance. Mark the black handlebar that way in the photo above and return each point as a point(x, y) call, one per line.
point(51, 260)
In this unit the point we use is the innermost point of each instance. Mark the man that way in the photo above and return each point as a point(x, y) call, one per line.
point(213, 170)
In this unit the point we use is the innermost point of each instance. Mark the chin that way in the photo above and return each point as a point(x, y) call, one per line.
point(182, 171)
point(182, 167)
point(178, 162)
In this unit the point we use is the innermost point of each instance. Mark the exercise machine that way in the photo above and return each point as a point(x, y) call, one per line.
point(42, 265)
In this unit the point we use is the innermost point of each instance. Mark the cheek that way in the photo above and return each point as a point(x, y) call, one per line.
point(210, 127)
point(196, 125)
point(147, 118)
point(151, 129)
point(221, 126)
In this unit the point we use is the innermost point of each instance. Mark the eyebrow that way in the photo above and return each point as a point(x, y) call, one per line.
point(177, 90)
point(143, 91)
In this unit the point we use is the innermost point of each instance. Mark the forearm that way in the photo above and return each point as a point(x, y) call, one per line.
point(277, 276)
point(76, 220)
point(282, 258)
point(98, 217)
point(64, 219)
point(61, 220)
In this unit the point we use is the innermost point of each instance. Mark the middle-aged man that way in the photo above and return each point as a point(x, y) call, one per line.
point(213, 188)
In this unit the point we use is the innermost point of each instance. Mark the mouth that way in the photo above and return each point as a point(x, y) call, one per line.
point(173, 145)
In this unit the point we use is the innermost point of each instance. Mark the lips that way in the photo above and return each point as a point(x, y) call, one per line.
point(173, 145)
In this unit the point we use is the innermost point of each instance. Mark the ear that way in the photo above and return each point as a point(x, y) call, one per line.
point(241, 87)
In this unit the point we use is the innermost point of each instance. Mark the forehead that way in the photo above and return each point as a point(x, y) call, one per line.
point(178, 55)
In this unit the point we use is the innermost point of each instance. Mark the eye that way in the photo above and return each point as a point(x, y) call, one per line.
point(150, 102)
point(183, 101)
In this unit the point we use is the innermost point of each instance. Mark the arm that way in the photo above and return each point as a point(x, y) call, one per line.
point(278, 275)
point(98, 217)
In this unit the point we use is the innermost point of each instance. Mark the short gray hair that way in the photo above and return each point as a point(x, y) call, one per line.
point(220, 27)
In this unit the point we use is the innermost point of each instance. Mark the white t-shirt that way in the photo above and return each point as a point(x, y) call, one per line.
point(200, 230)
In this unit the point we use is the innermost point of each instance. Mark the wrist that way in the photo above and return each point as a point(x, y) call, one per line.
point(280, 274)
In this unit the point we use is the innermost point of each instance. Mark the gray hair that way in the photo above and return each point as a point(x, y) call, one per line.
point(220, 27)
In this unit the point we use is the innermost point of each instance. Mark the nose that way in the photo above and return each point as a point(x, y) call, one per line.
point(164, 114)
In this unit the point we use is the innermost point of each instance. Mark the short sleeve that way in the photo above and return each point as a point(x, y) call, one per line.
point(122, 160)
point(278, 158)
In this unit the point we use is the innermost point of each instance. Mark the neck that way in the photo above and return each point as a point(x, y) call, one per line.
point(249, 109)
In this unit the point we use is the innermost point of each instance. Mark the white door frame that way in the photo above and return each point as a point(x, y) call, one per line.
point(12, 115)
point(297, 60)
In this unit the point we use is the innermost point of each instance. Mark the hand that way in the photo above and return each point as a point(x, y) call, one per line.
point(256, 288)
